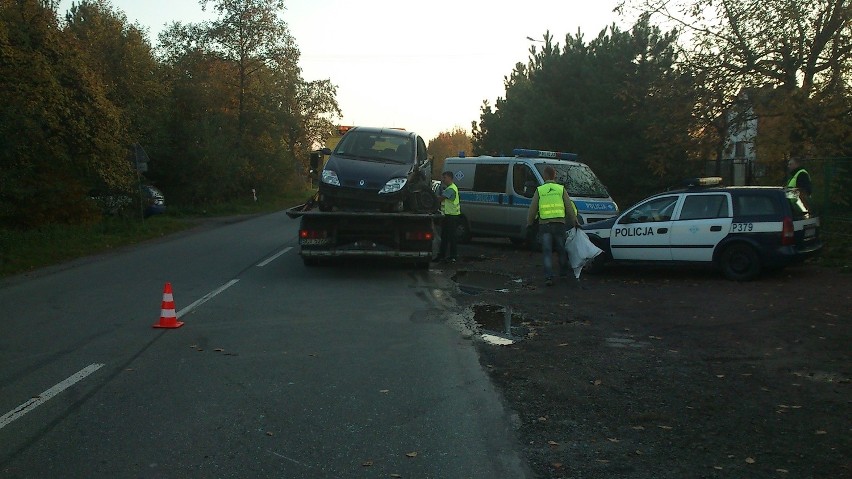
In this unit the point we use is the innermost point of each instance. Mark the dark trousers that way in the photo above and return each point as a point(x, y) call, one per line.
point(553, 238)
point(449, 238)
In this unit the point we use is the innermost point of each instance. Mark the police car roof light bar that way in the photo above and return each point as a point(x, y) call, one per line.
point(558, 155)
point(703, 181)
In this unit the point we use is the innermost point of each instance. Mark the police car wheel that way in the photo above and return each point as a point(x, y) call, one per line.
point(740, 262)
point(596, 265)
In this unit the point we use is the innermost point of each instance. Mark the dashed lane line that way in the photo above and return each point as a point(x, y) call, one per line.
point(42, 398)
point(274, 257)
point(207, 297)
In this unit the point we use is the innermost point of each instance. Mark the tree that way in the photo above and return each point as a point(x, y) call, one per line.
point(447, 144)
point(242, 116)
point(249, 34)
point(792, 56)
point(120, 53)
point(61, 134)
point(607, 100)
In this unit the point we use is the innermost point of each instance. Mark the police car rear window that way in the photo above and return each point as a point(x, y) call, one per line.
point(756, 205)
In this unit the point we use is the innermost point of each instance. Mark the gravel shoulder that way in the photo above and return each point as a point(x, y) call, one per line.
point(667, 372)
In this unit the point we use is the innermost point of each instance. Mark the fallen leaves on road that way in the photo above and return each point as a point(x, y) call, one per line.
point(750, 460)
point(412, 454)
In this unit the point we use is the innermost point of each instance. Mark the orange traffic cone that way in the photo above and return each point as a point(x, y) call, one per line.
point(168, 317)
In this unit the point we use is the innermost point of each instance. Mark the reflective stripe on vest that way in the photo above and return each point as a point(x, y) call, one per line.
point(452, 207)
point(794, 180)
point(550, 203)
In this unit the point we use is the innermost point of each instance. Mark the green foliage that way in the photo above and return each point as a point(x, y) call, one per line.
point(447, 144)
point(61, 133)
point(240, 115)
point(611, 101)
point(221, 110)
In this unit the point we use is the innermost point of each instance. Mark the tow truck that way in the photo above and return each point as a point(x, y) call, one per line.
point(374, 200)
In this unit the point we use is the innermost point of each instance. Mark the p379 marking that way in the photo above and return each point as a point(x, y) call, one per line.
point(742, 227)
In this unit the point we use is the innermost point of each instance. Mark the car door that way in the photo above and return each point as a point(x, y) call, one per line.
point(704, 219)
point(643, 232)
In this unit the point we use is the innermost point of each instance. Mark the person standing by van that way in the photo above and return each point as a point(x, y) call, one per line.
point(552, 205)
point(452, 210)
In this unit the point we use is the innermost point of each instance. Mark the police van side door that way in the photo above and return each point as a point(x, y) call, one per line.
point(643, 232)
point(523, 185)
point(485, 205)
point(703, 221)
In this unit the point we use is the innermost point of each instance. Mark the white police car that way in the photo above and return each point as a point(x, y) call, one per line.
point(742, 230)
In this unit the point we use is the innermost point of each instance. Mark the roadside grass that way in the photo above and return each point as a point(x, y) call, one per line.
point(837, 238)
point(28, 250)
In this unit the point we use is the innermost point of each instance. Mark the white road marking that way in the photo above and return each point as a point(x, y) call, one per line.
point(45, 396)
point(207, 297)
point(274, 257)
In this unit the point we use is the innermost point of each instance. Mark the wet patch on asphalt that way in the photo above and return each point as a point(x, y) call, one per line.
point(499, 324)
point(476, 282)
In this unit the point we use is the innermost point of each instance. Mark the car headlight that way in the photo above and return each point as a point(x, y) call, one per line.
point(393, 185)
point(330, 177)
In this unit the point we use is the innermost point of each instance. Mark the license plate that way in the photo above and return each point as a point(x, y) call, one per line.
point(810, 233)
point(320, 241)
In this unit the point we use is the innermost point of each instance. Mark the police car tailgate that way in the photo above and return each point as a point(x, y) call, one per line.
point(807, 232)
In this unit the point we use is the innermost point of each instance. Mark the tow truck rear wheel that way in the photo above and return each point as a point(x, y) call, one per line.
point(740, 262)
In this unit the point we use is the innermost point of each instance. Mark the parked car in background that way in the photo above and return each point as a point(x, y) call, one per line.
point(152, 200)
point(741, 230)
point(154, 203)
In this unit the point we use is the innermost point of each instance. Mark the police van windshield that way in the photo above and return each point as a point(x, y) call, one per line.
point(376, 147)
point(579, 179)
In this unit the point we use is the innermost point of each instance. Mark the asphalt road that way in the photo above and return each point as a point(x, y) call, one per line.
point(279, 370)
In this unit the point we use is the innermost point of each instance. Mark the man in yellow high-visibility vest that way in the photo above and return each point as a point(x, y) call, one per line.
point(799, 178)
point(552, 206)
point(451, 208)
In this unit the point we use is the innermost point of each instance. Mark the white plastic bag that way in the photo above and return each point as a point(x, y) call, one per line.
point(581, 250)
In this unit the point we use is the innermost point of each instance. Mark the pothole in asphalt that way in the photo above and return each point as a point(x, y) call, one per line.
point(475, 282)
point(498, 324)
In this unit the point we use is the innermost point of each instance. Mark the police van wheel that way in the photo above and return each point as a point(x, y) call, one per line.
point(740, 262)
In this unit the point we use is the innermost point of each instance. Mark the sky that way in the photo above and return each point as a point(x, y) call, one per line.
point(425, 66)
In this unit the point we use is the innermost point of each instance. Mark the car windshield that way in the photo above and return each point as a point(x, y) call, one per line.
point(376, 147)
point(579, 179)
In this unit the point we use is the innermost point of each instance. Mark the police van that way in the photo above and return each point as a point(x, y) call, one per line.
point(742, 230)
point(495, 192)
